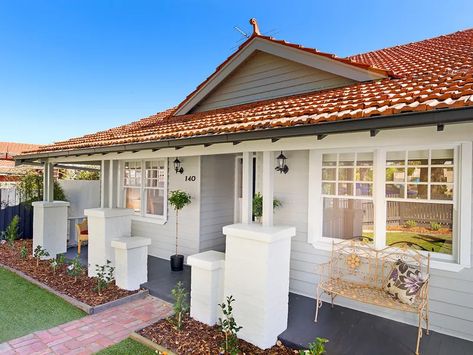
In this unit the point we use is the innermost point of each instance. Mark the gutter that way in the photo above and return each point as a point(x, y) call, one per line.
point(438, 117)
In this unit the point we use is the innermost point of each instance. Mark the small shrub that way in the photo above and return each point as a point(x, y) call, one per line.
point(435, 226)
point(104, 276)
point(60, 259)
point(23, 251)
point(315, 348)
point(11, 233)
point(53, 265)
point(39, 253)
point(411, 224)
point(75, 268)
point(180, 306)
point(229, 328)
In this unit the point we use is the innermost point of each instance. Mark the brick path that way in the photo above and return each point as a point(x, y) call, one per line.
point(91, 333)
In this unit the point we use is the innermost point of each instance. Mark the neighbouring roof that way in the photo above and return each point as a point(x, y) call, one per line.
point(8, 150)
point(423, 76)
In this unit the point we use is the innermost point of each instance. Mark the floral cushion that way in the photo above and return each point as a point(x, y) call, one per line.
point(404, 282)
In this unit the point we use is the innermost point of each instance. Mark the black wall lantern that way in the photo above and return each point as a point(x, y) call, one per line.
point(282, 167)
point(177, 166)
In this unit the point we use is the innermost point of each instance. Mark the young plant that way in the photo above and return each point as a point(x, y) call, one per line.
point(178, 200)
point(39, 253)
point(411, 224)
point(180, 306)
point(60, 259)
point(435, 226)
point(23, 251)
point(11, 233)
point(315, 348)
point(258, 205)
point(229, 328)
point(53, 265)
point(104, 276)
point(75, 268)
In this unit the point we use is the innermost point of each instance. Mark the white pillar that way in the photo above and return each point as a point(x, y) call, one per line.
point(50, 226)
point(48, 182)
point(131, 262)
point(268, 189)
point(207, 285)
point(247, 188)
point(105, 225)
point(257, 276)
point(105, 184)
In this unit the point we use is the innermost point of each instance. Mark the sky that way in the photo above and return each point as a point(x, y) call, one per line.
point(72, 67)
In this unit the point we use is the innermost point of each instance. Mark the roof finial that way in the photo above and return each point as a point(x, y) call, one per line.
point(254, 23)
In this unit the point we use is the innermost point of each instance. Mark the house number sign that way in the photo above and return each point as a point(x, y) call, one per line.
point(190, 178)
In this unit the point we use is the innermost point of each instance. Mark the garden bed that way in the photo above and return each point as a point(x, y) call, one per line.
point(81, 290)
point(197, 338)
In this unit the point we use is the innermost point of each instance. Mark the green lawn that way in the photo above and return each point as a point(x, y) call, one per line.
point(431, 243)
point(126, 347)
point(26, 308)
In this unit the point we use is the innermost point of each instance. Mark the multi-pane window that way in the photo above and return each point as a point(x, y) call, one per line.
point(347, 190)
point(145, 186)
point(420, 199)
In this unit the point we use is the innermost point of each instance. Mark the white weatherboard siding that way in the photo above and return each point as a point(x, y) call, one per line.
point(265, 76)
point(217, 200)
point(163, 235)
point(451, 293)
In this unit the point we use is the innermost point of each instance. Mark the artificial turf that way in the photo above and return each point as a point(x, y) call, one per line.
point(126, 347)
point(26, 308)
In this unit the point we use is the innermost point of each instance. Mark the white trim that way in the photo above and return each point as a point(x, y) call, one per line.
point(268, 189)
point(247, 187)
point(293, 54)
point(464, 203)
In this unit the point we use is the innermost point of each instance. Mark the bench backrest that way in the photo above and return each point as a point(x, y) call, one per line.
point(356, 261)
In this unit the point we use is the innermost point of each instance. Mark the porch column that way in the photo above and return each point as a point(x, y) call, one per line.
point(48, 182)
point(113, 184)
point(105, 184)
point(247, 188)
point(268, 189)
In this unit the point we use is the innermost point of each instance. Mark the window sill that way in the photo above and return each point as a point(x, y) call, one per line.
point(434, 264)
point(154, 220)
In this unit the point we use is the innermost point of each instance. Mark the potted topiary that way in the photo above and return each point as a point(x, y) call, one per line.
point(258, 206)
point(178, 199)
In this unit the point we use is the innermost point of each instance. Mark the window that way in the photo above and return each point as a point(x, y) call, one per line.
point(144, 184)
point(347, 190)
point(420, 199)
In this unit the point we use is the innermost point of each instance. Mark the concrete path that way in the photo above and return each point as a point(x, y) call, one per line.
point(91, 333)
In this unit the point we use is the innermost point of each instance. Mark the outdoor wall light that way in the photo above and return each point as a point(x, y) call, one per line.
point(177, 166)
point(282, 167)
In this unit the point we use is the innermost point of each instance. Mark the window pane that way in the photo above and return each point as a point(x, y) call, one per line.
point(421, 226)
point(329, 160)
point(133, 199)
point(418, 174)
point(418, 157)
point(442, 174)
point(346, 159)
point(364, 189)
point(417, 191)
point(345, 188)
point(155, 202)
point(345, 174)
point(364, 159)
point(442, 157)
point(395, 158)
point(364, 174)
point(329, 173)
point(441, 192)
point(328, 188)
point(347, 218)
point(395, 190)
point(161, 177)
point(395, 174)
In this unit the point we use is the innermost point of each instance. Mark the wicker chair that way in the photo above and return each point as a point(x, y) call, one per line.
point(82, 233)
point(359, 272)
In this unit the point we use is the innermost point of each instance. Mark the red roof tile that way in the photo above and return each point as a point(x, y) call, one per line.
point(426, 75)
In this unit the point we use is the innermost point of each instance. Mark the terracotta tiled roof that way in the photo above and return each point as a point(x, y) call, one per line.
point(427, 75)
point(13, 149)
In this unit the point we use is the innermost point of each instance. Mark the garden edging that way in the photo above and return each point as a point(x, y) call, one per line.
point(81, 305)
point(150, 344)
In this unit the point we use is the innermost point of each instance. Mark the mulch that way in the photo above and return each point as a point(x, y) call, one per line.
point(82, 289)
point(197, 338)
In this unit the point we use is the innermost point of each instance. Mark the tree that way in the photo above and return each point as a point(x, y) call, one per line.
point(178, 199)
point(30, 188)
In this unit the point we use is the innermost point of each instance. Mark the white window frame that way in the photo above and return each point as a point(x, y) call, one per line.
point(461, 252)
point(142, 215)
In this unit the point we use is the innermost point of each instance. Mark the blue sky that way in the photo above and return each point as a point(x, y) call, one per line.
point(70, 67)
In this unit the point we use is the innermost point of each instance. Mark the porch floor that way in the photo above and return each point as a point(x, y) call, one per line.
point(353, 332)
point(72, 253)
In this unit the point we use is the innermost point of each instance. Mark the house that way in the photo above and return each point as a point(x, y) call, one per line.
point(376, 146)
point(9, 173)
